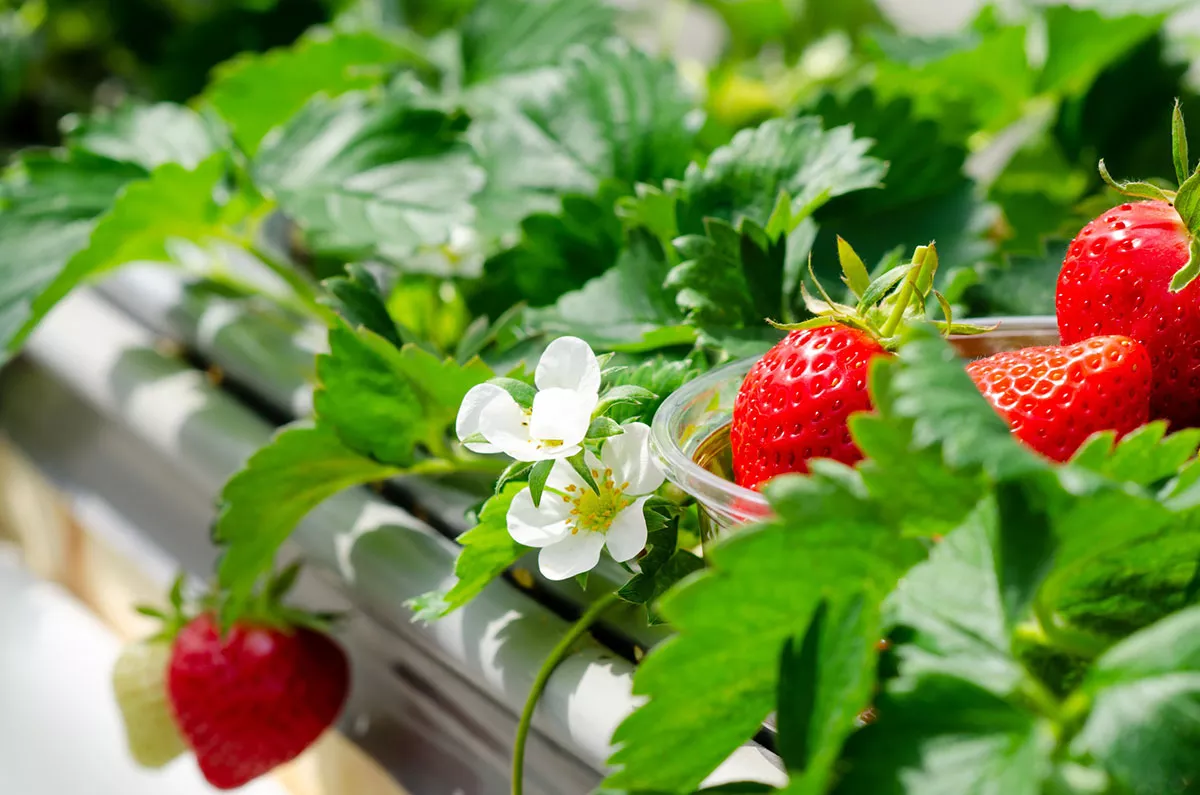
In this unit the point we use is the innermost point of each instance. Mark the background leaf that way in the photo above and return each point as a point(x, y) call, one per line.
point(361, 176)
point(147, 216)
point(48, 207)
point(257, 92)
point(743, 179)
point(148, 135)
point(506, 37)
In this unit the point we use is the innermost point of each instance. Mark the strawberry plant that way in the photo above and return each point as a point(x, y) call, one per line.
point(517, 233)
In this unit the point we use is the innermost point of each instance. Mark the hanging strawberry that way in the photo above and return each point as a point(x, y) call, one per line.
point(245, 698)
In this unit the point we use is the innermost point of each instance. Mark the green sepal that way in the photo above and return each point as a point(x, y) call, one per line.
point(538, 474)
point(521, 392)
point(625, 393)
point(1141, 190)
point(515, 471)
point(1191, 269)
point(603, 428)
point(1179, 144)
point(854, 272)
point(880, 286)
point(580, 466)
point(476, 438)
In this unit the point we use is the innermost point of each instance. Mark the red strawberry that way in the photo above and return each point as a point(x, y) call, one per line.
point(1054, 397)
point(254, 698)
point(1130, 272)
point(794, 403)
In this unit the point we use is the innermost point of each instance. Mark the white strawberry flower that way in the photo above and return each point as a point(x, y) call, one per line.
point(573, 522)
point(568, 389)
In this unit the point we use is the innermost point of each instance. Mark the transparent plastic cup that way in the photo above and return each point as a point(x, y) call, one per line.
point(690, 432)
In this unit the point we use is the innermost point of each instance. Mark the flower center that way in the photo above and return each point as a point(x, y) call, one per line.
point(594, 511)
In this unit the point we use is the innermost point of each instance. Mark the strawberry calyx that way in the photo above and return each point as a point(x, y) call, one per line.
point(265, 608)
point(173, 618)
point(887, 303)
point(1185, 199)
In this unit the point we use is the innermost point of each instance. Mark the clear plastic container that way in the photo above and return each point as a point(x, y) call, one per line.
point(690, 432)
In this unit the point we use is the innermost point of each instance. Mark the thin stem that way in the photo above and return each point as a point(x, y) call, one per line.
point(304, 289)
point(557, 655)
point(905, 295)
point(1066, 638)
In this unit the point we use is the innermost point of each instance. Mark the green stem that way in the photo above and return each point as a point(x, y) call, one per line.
point(557, 655)
point(1065, 638)
point(905, 295)
point(304, 289)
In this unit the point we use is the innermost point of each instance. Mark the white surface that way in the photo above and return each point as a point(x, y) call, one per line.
point(60, 731)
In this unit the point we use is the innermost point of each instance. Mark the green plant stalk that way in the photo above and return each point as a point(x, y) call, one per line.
point(557, 655)
point(304, 289)
point(906, 290)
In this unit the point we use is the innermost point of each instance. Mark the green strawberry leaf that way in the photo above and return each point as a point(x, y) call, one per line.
point(487, 551)
point(301, 467)
point(625, 308)
point(358, 299)
point(971, 82)
point(730, 277)
point(952, 609)
point(358, 176)
point(1023, 285)
point(557, 253)
point(826, 678)
point(663, 564)
point(660, 375)
point(613, 113)
point(744, 178)
point(920, 162)
point(146, 135)
point(509, 37)
point(1145, 457)
point(721, 671)
point(1081, 43)
point(172, 204)
point(383, 402)
point(257, 92)
point(49, 203)
point(944, 735)
point(1144, 724)
point(364, 395)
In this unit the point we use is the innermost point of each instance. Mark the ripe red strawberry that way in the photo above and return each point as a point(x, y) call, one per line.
point(1130, 272)
point(254, 698)
point(794, 403)
point(1056, 396)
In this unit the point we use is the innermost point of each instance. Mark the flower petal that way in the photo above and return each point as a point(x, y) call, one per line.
point(504, 424)
point(574, 554)
point(562, 476)
point(627, 535)
point(541, 525)
point(628, 456)
point(568, 363)
point(562, 415)
point(467, 422)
